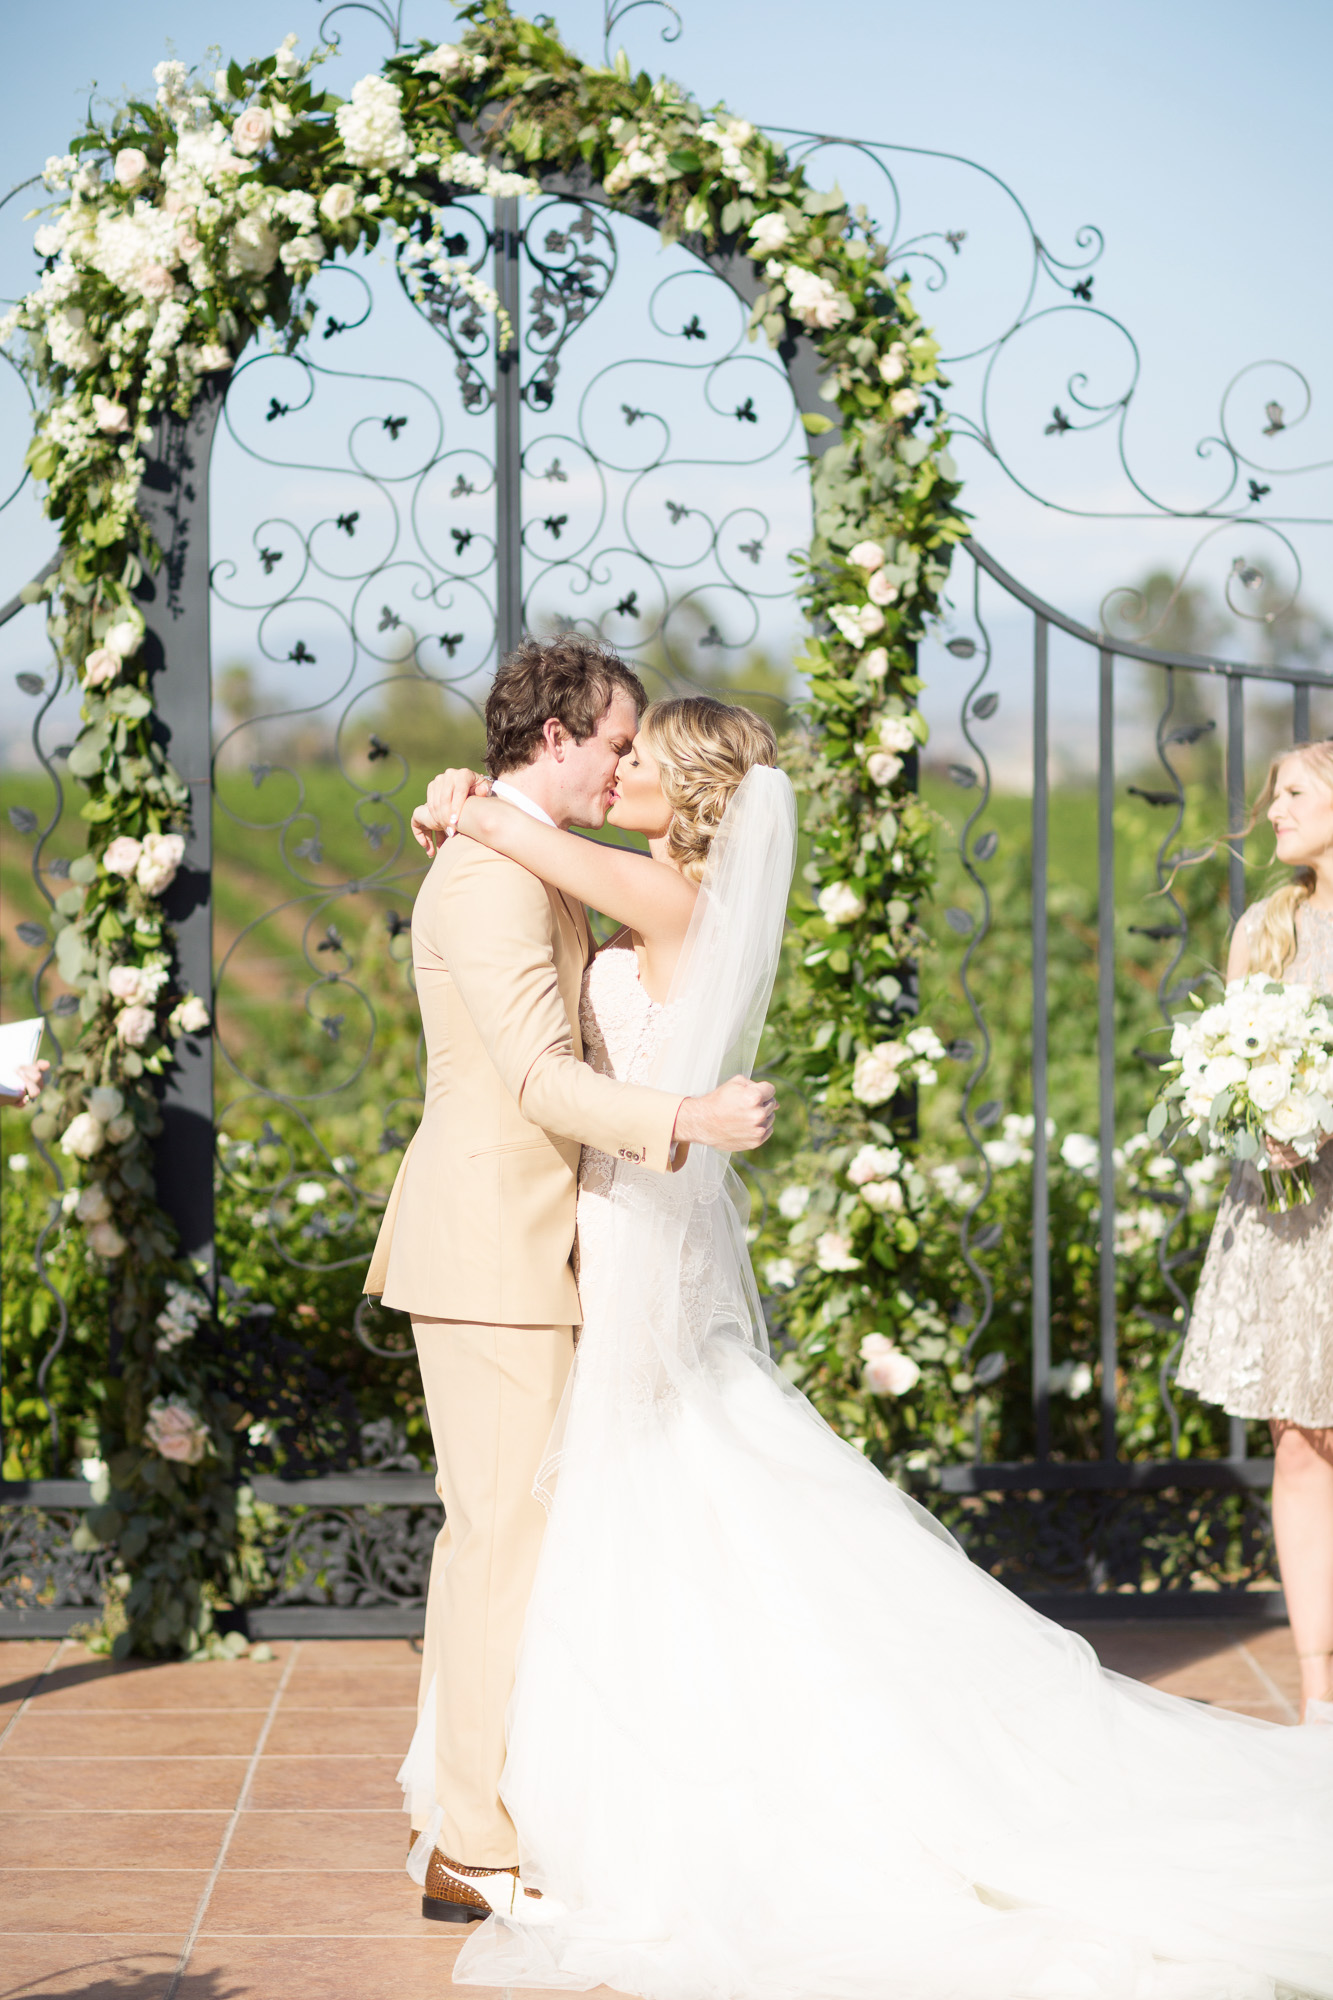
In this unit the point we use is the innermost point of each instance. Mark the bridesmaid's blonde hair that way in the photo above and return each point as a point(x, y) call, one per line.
point(1275, 947)
point(702, 748)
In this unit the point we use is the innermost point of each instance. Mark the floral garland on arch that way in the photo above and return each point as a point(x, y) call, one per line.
point(184, 227)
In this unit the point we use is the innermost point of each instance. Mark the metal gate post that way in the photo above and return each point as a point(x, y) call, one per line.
point(508, 440)
point(174, 599)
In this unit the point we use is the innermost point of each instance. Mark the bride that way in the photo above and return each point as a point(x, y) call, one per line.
point(773, 1737)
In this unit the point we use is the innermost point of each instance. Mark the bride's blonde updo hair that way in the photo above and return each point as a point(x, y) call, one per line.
point(1275, 946)
point(702, 748)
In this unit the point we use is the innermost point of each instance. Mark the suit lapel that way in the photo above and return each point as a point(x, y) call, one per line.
point(578, 916)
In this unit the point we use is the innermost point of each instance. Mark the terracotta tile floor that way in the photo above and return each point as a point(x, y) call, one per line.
point(232, 1831)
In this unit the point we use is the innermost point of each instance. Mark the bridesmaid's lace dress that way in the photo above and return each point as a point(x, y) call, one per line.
point(1261, 1334)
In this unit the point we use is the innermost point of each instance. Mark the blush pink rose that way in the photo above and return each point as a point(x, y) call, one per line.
point(101, 665)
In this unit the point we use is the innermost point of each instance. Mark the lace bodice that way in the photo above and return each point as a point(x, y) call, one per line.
point(1313, 963)
point(621, 1027)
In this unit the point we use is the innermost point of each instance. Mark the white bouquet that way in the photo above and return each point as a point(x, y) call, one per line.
point(1256, 1066)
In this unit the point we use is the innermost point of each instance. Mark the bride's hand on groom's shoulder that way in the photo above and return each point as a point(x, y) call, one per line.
point(433, 822)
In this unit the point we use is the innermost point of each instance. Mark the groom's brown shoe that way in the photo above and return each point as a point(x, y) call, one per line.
point(451, 1901)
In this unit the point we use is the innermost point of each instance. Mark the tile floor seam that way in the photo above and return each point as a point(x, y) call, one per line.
point(1262, 1674)
point(201, 1910)
point(33, 1691)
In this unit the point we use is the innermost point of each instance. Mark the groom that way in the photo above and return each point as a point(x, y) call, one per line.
point(477, 1237)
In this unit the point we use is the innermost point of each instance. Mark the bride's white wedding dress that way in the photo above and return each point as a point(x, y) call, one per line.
point(773, 1737)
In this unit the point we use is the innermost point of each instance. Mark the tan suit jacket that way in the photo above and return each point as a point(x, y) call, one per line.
point(480, 1223)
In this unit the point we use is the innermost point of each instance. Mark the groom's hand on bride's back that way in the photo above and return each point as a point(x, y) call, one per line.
point(734, 1118)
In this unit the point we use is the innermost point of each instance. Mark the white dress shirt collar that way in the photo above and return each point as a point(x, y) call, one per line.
point(514, 797)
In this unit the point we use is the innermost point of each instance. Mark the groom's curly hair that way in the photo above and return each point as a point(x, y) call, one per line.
point(569, 679)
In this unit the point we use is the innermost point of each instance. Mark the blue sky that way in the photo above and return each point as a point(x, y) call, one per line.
point(1194, 133)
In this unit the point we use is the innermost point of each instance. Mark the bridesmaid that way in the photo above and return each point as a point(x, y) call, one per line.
point(1260, 1340)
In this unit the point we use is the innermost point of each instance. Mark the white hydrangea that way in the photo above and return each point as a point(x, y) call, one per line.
point(466, 170)
point(298, 206)
point(302, 252)
point(253, 249)
point(136, 252)
point(815, 301)
point(70, 341)
point(371, 127)
point(857, 622)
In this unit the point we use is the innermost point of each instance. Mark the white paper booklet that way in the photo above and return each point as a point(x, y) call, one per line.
point(19, 1043)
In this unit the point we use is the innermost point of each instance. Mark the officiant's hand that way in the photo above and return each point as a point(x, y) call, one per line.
point(437, 819)
point(32, 1076)
point(734, 1118)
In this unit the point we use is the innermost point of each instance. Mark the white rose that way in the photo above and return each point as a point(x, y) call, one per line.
point(833, 1252)
point(371, 127)
point(188, 244)
point(308, 1193)
point(133, 1026)
point(211, 357)
point(110, 416)
point(904, 402)
point(1268, 1085)
point(814, 300)
point(191, 1017)
point(1292, 1119)
point(893, 365)
point(866, 555)
point(82, 1137)
point(1080, 1152)
point(896, 733)
point(876, 663)
point(105, 1240)
point(131, 166)
point(302, 250)
point(337, 203)
point(882, 1195)
point(875, 1072)
point(1224, 1073)
point(93, 1205)
point(120, 1129)
point(125, 637)
point(156, 282)
point(881, 768)
point(101, 665)
point(253, 250)
point(779, 1274)
point(768, 234)
point(122, 857)
point(793, 1202)
point(840, 903)
point(874, 1163)
point(105, 1102)
point(880, 591)
point(252, 130)
point(886, 1370)
point(161, 857)
point(123, 983)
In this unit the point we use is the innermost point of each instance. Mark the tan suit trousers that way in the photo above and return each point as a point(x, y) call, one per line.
point(492, 1393)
